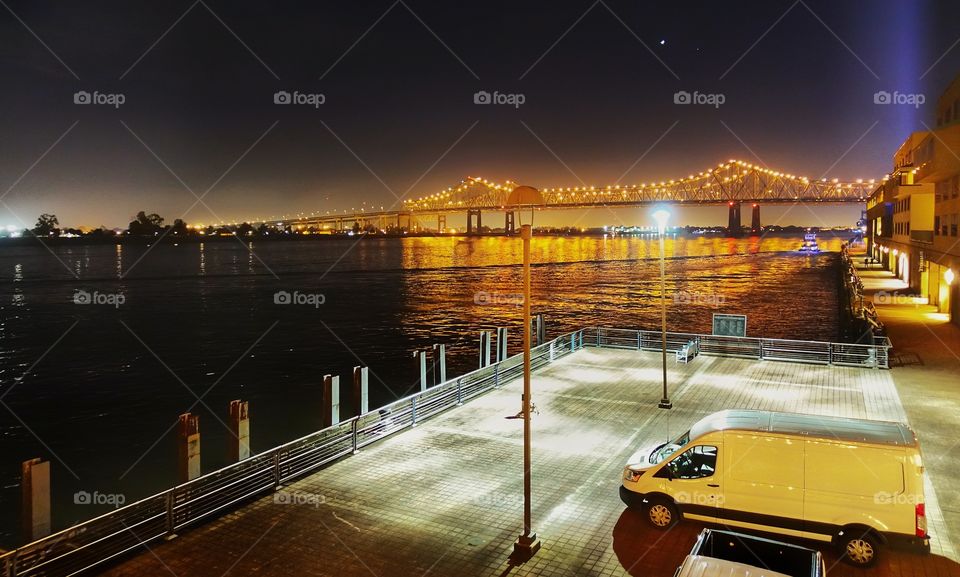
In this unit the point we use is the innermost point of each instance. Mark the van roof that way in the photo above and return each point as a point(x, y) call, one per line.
point(838, 428)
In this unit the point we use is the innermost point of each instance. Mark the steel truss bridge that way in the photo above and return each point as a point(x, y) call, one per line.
point(732, 183)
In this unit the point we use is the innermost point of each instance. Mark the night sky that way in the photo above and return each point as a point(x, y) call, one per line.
point(598, 81)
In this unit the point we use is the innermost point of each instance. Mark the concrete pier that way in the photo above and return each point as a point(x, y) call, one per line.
point(35, 499)
point(331, 400)
point(444, 498)
point(361, 390)
point(188, 447)
point(239, 441)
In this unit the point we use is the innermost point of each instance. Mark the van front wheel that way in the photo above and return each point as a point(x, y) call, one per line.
point(859, 550)
point(661, 513)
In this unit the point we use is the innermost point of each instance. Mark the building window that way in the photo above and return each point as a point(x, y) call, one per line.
point(953, 225)
point(936, 225)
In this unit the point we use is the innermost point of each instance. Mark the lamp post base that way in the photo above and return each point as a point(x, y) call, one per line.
point(526, 545)
point(665, 404)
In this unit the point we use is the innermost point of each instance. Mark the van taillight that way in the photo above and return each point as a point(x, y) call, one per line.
point(921, 520)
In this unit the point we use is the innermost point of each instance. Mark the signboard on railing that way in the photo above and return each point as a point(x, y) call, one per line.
point(730, 325)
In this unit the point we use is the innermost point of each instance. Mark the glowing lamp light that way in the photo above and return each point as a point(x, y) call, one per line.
point(895, 252)
point(661, 216)
point(948, 276)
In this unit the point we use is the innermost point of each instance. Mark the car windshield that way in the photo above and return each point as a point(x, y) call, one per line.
point(664, 451)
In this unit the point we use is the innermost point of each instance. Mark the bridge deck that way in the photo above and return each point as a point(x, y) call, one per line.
point(443, 498)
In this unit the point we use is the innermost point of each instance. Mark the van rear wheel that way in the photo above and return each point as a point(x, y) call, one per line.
point(661, 513)
point(858, 549)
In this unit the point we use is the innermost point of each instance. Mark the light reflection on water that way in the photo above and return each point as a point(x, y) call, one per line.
point(100, 399)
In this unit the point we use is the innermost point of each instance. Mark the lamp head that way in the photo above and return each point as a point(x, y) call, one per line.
point(948, 276)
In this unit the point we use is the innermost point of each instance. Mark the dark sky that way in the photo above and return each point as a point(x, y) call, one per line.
point(399, 79)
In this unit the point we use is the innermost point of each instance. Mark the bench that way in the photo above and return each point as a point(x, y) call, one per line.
point(689, 351)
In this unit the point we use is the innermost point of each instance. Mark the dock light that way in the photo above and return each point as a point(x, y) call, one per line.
point(948, 276)
point(661, 216)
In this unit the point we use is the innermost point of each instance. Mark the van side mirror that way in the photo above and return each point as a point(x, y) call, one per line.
point(665, 472)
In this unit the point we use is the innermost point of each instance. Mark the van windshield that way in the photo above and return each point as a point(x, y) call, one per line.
point(665, 450)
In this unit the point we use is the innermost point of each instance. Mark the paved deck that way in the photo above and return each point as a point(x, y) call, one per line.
point(443, 499)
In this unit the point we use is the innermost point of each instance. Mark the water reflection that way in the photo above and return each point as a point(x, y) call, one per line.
point(199, 307)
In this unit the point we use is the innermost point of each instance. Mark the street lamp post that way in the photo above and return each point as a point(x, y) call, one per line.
point(527, 543)
point(661, 217)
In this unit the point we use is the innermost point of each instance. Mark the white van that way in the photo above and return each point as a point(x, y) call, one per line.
point(852, 482)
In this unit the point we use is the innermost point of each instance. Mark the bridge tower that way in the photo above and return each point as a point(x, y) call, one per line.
point(509, 223)
point(734, 228)
point(471, 212)
point(441, 222)
point(755, 220)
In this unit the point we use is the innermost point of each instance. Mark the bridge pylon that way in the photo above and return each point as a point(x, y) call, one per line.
point(755, 220)
point(734, 227)
point(509, 222)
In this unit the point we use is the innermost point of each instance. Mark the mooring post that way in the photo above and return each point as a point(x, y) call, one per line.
point(35, 499)
point(188, 447)
point(361, 391)
point(484, 348)
point(239, 431)
point(541, 329)
point(439, 363)
point(420, 357)
point(501, 344)
point(331, 400)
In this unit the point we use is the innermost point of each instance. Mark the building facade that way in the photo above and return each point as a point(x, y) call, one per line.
point(913, 216)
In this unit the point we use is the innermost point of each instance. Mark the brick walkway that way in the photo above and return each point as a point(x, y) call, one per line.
point(443, 499)
point(926, 371)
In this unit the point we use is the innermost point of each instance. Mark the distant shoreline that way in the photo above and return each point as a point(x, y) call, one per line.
point(197, 239)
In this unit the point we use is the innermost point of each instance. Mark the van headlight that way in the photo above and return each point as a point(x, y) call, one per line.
point(631, 475)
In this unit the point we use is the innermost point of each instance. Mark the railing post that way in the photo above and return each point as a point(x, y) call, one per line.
point(413, 412)
point(760, 348)
point(168, 498)
point(353, 433)
point(276, 468)
point(552, 354)
point(496, 375)
point(639, 340)
point(829, 353)
point(459, 392)
point(598, 337)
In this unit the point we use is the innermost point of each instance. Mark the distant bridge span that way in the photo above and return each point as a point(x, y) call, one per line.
point(733, 182)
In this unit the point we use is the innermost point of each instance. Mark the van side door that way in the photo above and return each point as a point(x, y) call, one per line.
point(693, 481)
point(763, 482)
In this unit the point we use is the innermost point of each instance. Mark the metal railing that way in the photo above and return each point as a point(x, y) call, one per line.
point(113, 534)
point(109, 536)
point(818, 352)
